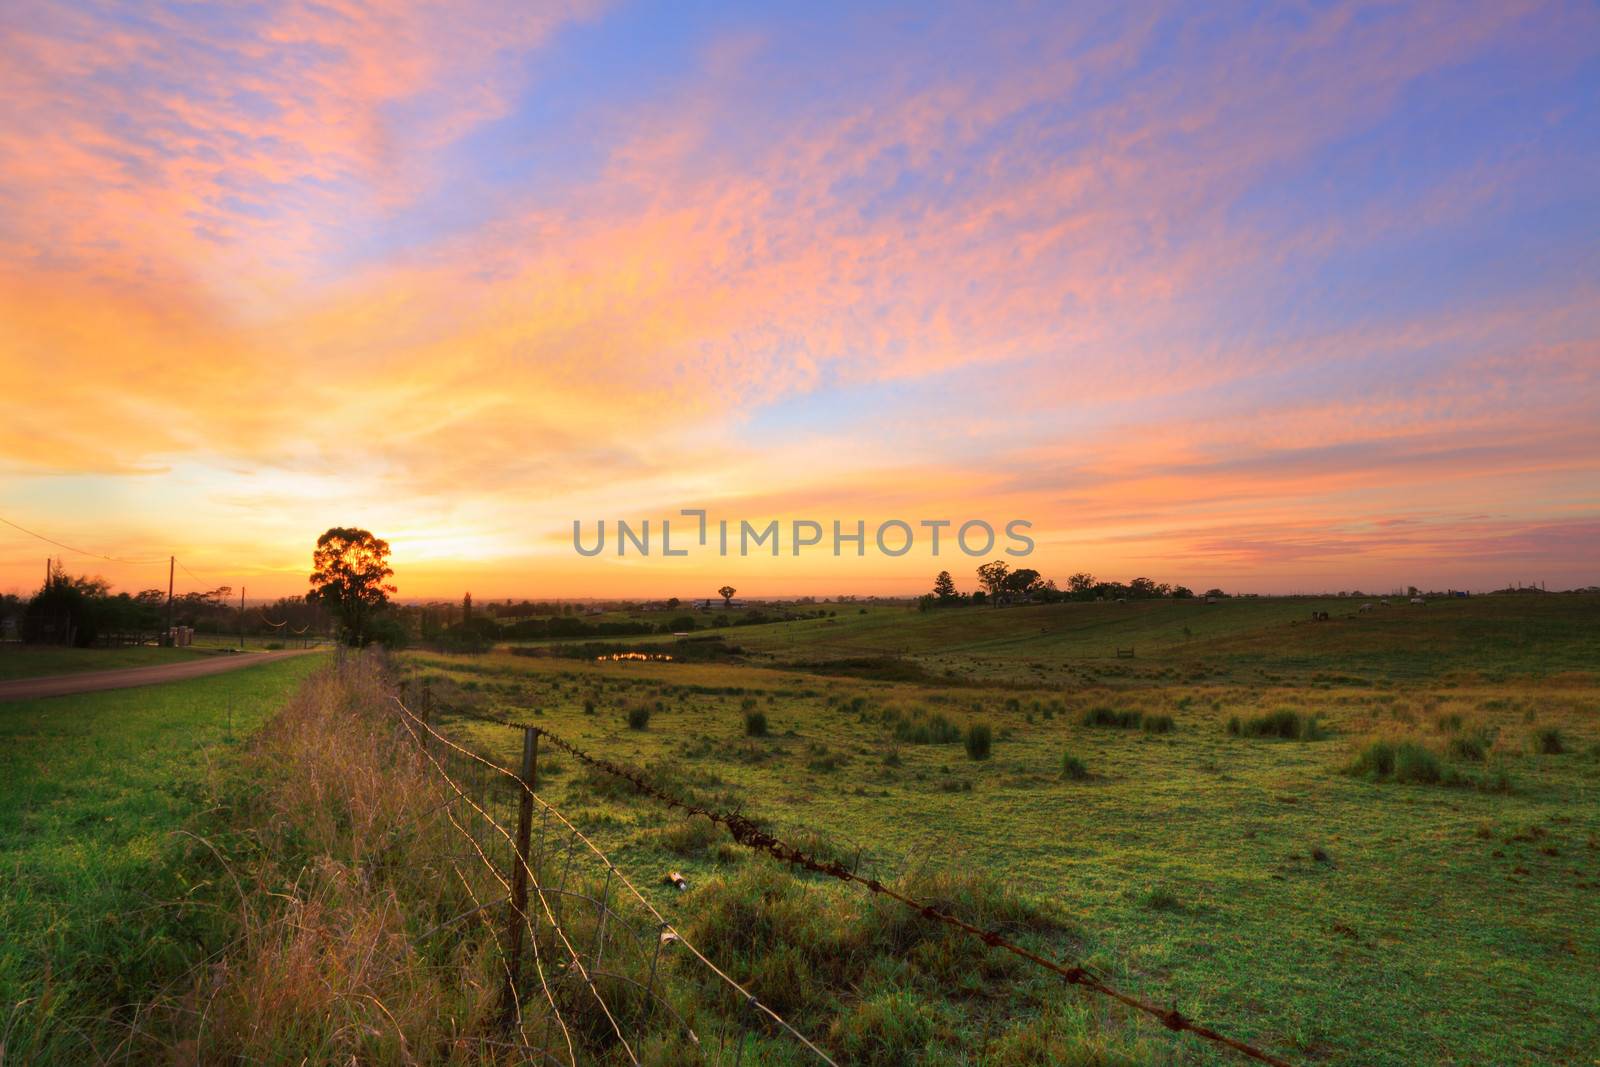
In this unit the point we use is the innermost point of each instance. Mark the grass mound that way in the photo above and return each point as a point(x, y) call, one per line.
point(1399, 761)
point(1409, 761)
point(979, 740)
point(1549, 741)
point(919, 726)
point(1102, 715)
point(1285, 724)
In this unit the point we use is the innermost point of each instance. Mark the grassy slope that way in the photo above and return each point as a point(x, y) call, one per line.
point(34, 662)
point(92, 788)
point(1445, 924)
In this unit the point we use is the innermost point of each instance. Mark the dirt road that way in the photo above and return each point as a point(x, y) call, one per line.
point(56, 685)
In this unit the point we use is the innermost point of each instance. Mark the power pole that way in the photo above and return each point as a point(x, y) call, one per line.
point(172, 563)
point(241, 618)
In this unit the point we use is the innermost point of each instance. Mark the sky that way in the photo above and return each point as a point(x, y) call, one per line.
point(1272, 297)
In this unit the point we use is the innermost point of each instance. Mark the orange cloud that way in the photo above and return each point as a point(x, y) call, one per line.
point(220, 278)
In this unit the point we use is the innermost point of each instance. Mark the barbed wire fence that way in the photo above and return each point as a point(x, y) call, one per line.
point(585, 960)
point(758, 837)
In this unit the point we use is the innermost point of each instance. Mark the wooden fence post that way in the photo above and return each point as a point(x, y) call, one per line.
point(427, 715)
point(519, 874)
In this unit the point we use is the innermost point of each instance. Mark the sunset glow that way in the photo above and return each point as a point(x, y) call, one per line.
point(1297, 300)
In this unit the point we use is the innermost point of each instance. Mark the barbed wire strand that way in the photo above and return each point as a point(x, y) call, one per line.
point(748, 833)
point(533, 878)
point(504, 885)
point(748, 997)
point(500, 949)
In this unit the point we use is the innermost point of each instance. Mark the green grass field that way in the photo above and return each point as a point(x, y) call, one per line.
point(1371, 840)
point(1255, 882)
point(93, 792)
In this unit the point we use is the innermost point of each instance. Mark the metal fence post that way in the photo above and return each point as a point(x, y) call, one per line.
point(519, 873)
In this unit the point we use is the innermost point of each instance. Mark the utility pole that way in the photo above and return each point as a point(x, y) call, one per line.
point(172, 563)
point(241, 618)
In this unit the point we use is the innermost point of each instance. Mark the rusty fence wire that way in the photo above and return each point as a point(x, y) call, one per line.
point(758, 836)
point(586, 961)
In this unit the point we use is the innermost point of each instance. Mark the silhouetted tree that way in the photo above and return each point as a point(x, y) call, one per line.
point(1081, 585)
point(1022, 582)
point(992, 576)
point(944, 588)
point(350, 572)
point(1142, 588)
point(726, 593)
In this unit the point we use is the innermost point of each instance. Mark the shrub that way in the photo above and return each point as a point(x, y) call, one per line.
point(1549, 742)
point(1073, 768)
point(1401, 761)
point(1159, 724)
point(1473, 745)
point(1415, 763)
point(1104, 716)
point(755, 723)
point(639, 717)
point(920, 726)
point(1374, 761)
point(1285, 723)
point(979, 740)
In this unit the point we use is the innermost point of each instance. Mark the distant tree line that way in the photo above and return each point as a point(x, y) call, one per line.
point(1001, 584)
point(84, 611)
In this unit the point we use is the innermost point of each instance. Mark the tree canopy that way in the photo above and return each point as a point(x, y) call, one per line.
point(350, 572)
point(992, 576)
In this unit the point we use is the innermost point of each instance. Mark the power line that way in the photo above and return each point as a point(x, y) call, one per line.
point(190, 573)
point(80, 551)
